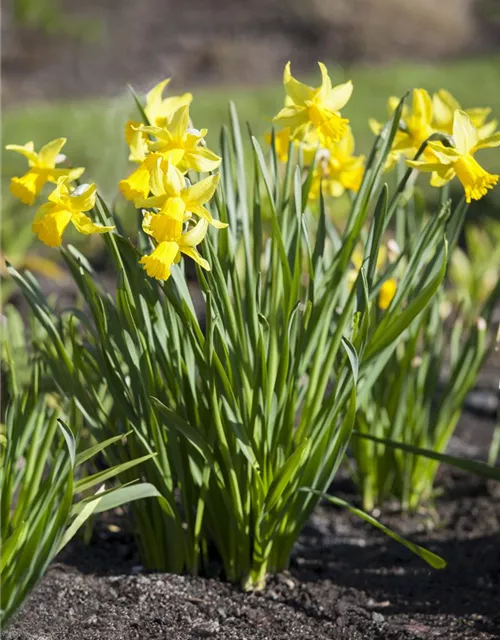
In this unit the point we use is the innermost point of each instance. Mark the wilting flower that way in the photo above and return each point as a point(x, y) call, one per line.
point(182, 145)
point(42, 169)
point(338, 169)
point(448, 162)
point(167, 230)
point(387, 293)
point(64, 207)
point(306, 107)
point(174, 198)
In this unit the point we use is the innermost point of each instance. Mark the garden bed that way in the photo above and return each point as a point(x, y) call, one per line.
point(346, 580)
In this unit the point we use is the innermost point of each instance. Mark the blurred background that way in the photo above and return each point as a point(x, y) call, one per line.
point(66, 64)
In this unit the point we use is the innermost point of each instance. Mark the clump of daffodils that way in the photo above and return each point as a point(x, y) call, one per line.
point(312, 122)
point(174, 212)
point(166, 149)
point(445, 137)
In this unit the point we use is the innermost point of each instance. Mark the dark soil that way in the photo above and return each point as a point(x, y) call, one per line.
point(346, 581)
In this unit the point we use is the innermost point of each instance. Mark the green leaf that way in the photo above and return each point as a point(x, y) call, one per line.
point(85, 455)
point(102, 476)
point(476, 467)
point(125, 495)
point(432, 559)
point(285, 475)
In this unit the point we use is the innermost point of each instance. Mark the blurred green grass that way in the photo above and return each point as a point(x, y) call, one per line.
point(94, 127)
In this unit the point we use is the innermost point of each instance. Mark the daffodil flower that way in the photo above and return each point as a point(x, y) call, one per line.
point(320, 108)
point(416, 126)
point(42, 169)
point(182, 145)
point(159, 112)
point(338, 169)
point(174, 198)
point(136, 186)
point(444, 106)
point(167, 230)
point(448, 162)
point(64, 207)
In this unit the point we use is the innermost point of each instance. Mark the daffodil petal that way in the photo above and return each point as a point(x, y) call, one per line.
point(83, 197)
point(201, 192)
point(292, 116)
point(179, 122)
point(464, 132)
point(28, 186)
point(201, 159)
point(489, 142)
point(160, 261)
point(48, 153)
point(194, 255)
point(50, 222)
point(155, 95)
point(27, 150)
point(297, 91)
point(194, 236)
point(84, 224)
point(422, 105)
point(339, 96)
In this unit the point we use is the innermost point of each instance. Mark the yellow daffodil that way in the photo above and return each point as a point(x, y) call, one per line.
point(448, 162)
point(174, 198)
point(64, 207)
point(444, 106)
point(307, 107)
point(136, 186)
point(416, 125)
point(338, 169)
point(387, 293)
point(159, 112)
point(182, 145)
point(167, 230)
point(42, 169)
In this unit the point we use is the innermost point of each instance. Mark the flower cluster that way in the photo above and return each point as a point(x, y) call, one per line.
point(457, 134)
point(313, 123)
point(166, 149)
point(65, 204)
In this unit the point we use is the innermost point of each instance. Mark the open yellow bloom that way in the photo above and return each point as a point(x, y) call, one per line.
point(42, 169)
point(174, 198)
point(307, 107)
point(448, 162)
point(159, 112)
point(444, 106)
point(182, 145)
point(64, 207)
point(136, 186)
point(167, 230)
point(338, 168)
